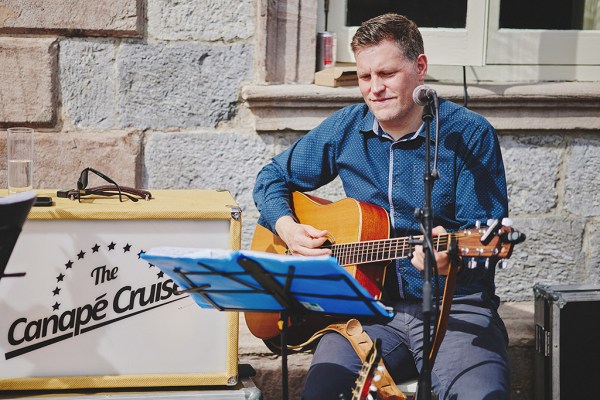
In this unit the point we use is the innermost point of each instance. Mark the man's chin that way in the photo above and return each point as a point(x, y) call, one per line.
point(383, 117)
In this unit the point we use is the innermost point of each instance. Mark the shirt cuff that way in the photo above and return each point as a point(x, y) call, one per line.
point(273, 210)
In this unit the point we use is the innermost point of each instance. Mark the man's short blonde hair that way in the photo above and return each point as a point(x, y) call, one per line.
point(394, 27)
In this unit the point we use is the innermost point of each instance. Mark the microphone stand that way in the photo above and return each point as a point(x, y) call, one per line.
point(426, 216)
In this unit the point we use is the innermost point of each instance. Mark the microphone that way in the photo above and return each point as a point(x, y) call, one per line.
point(423, 94)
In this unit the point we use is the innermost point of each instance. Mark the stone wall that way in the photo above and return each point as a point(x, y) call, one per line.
point(91, 76)
point(172, 95)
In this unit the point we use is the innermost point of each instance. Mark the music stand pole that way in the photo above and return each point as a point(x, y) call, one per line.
point(284, 364)
point(290, 308)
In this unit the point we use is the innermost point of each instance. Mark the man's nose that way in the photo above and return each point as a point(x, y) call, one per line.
point(377, 84)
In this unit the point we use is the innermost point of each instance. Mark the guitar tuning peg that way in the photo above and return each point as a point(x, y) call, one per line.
point(487, 263)
point(507, 222)
point(493, 225)
point(478, 224)
point(472, 263)
point(370, 396)
point(503, 264)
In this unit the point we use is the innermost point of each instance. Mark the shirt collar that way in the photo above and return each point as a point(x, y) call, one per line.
point(370, 125)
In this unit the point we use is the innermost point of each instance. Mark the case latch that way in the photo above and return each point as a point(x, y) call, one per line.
point(543, 340)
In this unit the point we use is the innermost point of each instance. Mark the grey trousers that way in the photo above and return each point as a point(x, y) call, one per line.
point(472, 362)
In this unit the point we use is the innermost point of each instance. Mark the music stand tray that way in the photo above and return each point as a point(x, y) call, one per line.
point(246, 280)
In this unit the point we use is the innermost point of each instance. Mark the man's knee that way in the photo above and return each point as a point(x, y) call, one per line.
point(487, 381)
point(328, 381)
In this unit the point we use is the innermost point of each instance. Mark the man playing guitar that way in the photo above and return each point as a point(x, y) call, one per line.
point(377, 150)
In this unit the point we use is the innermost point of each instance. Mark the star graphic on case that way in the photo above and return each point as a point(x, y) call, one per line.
point(56, 291)
point(126, 248)
point(60, 278)
point(56, 306)
point(69, 264)
point(160, 274)
point(140, 253)
point(80, 255)
point(150, 265)
point(95, 248)
point(111, 246)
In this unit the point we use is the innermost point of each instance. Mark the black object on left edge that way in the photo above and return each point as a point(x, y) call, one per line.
point(13, 213)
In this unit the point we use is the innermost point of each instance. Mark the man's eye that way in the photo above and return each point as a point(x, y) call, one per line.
point(364, 77)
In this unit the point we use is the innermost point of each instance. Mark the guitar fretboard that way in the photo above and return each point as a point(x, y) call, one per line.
point(383, 250)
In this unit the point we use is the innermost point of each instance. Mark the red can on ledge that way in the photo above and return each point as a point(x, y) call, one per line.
point(326, 48)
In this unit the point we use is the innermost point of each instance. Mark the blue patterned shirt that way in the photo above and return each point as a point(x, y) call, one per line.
point(376, 169)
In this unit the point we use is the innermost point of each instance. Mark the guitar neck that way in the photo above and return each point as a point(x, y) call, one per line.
point(383, 250)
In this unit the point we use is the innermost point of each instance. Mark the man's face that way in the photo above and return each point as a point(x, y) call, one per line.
point(386, 80)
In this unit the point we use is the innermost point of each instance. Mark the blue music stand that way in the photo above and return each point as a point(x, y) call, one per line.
point(257, 281)
point(13, 213)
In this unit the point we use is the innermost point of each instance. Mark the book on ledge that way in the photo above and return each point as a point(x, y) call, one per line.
point(246, 280)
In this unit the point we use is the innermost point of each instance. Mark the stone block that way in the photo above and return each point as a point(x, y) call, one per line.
point(28, 70)
point(224, 20)
point(60, 157)
point(206, 160)
point(268, 374)
point(593, 235)
point(532, 166)
point(166, 85)
point(286, 41)
point(552, 254)
point(87, 83)
point(581, 182)
point(73, 17)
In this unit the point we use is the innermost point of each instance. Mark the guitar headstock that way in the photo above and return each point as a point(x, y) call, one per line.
point(494, 241)
point(369, 373)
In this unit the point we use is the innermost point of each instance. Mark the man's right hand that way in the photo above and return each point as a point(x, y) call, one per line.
point(301, 239)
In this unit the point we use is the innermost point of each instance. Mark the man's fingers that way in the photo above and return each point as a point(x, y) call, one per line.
point(309, 242)
point(314, 232)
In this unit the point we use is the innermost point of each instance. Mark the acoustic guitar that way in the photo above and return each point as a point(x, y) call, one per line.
point(359, 240)
point(369, 373)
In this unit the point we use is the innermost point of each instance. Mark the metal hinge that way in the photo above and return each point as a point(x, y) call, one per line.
point(549, 294)
point(543, 340)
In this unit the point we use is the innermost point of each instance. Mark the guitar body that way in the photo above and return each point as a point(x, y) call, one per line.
point(347, 221)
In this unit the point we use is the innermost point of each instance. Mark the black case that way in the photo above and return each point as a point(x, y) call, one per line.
point(567, 341)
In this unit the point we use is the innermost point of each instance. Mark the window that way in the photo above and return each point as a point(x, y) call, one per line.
point(544, 32)
point(453, 35)
point(525, 37)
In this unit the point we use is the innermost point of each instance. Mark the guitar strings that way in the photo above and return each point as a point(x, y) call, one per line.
point(384, 249)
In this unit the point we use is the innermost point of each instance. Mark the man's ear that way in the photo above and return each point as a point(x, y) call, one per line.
point(422, 66)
